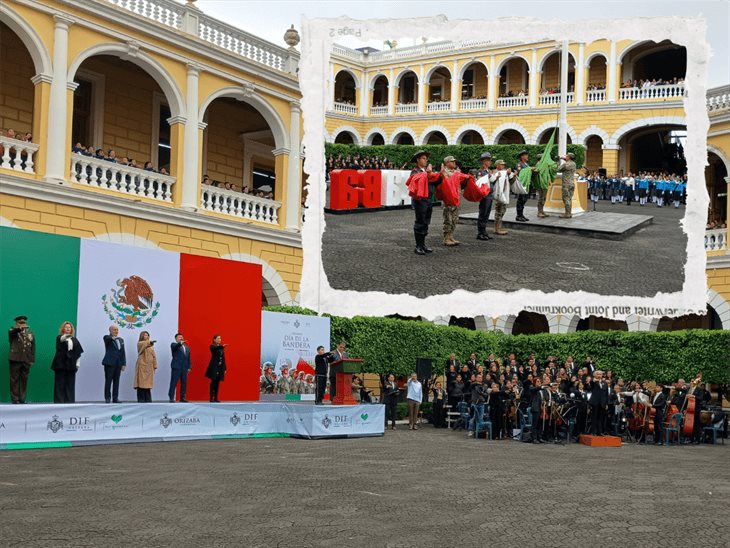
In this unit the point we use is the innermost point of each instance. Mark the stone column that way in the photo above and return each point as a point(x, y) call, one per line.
point(294, 171)
point(58, 119)
point(364, 96)
point(421, 91)
point(41, 104)
point(491, 84)
point(534, 84)
point(610, 158)
point(455, 88)
point(281, 169)
point(611, 86)
point(392, 95)
point(580, 75)
point(191, 163)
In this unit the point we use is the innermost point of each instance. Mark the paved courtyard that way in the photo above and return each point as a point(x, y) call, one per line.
point(424, 488)
point(374, 252)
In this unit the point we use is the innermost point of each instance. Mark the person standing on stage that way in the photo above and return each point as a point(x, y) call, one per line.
point(180, 365)
point(321, 365)
point(144, 369)
point(414, 397)
point(114, 362)
point(390, 397)
point(567, 169)
point(598, 401)
point(339, 354)
point(522, 198)
point(66, 363)
point(423, 205)
point(485, 204)
point(21, 356)
point(216, 367)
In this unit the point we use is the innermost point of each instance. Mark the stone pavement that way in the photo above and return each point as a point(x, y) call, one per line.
point(374, 252)
point(425, 488)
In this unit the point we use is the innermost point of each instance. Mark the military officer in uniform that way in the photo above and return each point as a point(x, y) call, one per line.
point(423, 207)
point(485, 204)
point(450, 213)
point(567, 169)
point(21, 356)
point(522, 198)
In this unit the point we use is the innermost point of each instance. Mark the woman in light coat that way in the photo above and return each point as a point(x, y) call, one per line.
point(144, 371)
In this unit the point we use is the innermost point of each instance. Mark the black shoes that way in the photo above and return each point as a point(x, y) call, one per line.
point(483, 237)
point(420, 251)
point(426, 248)
point(521, 218)
point(183, 401)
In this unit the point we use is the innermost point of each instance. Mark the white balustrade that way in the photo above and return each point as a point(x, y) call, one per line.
point(595, 95)
point(439, 106)
point(379, 111)
point(511, 102)
point(473, 104)
point(664, 91)
point(164, 12)
point(218, 33)
point(17, 155)
point(238, 204)
point(716, 239)
point(126, 180)
point(406, 109)
point(554, 98)
point(345, 107)
point(718, 99)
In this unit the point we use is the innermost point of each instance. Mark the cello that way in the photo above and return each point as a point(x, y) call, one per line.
point(690, 408)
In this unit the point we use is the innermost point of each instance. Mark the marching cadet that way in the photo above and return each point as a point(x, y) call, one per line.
point(423, 207)
point(643, 190)
point(567, 169)
point(678, 192)
point(522, 198)
point(485, 204)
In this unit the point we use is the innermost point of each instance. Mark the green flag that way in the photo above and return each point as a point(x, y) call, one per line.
point(547, 170)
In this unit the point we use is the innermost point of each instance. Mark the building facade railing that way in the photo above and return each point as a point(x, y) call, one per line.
point(126, 180)
point(379, 111)
point(439, 106)
point(238, 204)
point(667, 91)
point(347, 108)
point(17, 155)
point(406, 108)
point(716, 239)
point(512, 102)
point(474, 104)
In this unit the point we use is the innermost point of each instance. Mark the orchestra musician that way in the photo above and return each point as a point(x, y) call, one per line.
point(659, 403)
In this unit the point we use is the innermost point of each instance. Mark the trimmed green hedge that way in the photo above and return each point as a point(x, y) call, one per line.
point(392, 346)
point(468, 155)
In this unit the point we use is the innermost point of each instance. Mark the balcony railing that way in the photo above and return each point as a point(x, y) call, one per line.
point(473, 104)
point(17, 155)
point(554, 98)
point(126, 180)
point(665, 91)
point(595, 95)
point(439, 106)
point(218, 33)
point(716, 239)
point(512, 102)
point(238, 204)
point(718, 99)
point(379, 111)
point(406, 109)
point(346, 108)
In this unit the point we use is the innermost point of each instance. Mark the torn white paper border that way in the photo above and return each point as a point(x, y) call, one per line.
point(318, 37)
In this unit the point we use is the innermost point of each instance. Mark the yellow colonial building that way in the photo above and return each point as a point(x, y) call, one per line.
point(173, 96)
point(625, 105)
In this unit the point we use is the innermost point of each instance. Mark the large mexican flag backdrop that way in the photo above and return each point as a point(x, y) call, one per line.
point(93, 284)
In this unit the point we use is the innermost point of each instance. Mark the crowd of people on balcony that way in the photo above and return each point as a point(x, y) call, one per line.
point(716, 223)
point(18, 136)
point(641, 83)
point(513, 93)
point(345, 101)
point(596, 87)
point(12, 152)
point(111, 156)
point(266, 193)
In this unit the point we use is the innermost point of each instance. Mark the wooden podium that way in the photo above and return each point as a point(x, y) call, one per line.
point(344, 369)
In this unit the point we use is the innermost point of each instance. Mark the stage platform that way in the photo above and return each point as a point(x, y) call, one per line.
point(592, 224)
point(599, 441)
point(36, 426)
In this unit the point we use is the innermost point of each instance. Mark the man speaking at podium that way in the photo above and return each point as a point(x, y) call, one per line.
point(338, 354)
point(321, 364)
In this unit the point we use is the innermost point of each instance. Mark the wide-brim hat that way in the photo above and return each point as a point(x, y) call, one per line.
point(420, 153)
point(570, 155)
point(485, 156)
point(21, 319)
point(523, 152)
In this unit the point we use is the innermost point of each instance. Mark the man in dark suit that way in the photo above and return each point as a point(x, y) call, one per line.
point(114, 362)
point(536, 398)
point(321, 363)
point(180, 366)
point(659, 403)
point(598, 400)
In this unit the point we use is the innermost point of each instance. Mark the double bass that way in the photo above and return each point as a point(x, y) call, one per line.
point(690, 409)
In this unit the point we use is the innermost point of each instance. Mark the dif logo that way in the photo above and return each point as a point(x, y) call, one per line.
point(244, 419)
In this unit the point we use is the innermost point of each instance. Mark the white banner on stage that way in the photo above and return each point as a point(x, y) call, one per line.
point(292, 339)
point(136, 289)
point(101, 423)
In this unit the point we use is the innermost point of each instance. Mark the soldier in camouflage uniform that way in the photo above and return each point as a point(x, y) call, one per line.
point(567, 169)
point(500, 209)
point(283, 384)
point(451, 213)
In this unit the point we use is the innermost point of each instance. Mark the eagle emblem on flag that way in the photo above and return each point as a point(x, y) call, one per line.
point(132, 303)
